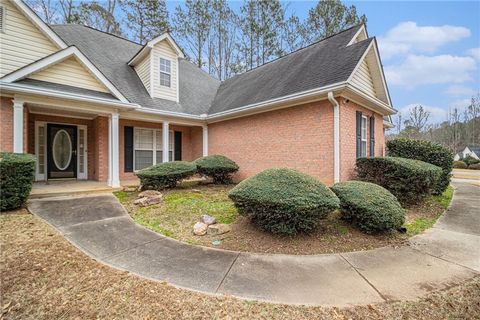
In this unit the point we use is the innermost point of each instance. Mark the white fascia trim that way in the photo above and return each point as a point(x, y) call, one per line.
point(386, 109)
point(171, 114)
point(59, 57)
point(380, 68)
point(32, 16)
point(150, 44)
point(387, 124)
point(362, 29)
point(20, 88)
point(281, 100)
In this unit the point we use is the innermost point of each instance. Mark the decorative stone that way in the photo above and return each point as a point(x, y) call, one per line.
point(208, 220)
point(129, 188)
point(148, 201)
point(217, 229)
point(200, 229)
point(149, 193)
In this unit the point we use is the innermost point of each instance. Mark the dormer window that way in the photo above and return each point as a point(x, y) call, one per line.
point(165, 72)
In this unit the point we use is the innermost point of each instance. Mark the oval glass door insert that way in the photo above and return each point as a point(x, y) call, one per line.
point(62, 150)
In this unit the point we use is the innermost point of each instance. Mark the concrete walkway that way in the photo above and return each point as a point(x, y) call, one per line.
point(441, 257)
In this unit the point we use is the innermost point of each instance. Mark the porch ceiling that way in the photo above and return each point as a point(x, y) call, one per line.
point(37, 109)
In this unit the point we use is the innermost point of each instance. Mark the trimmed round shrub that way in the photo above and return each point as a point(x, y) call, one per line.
point(426, 151)
point(369, 206)
point(469, 160)
point(165, 175)
point(409, 180)
point(284, 201)
point(17, 172)
point(218, 167)
point(475, 166)
point(460, 165)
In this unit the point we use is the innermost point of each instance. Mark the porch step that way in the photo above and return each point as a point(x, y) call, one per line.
point(69, 188)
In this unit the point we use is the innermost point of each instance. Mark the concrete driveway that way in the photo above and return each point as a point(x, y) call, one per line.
point(444, 255)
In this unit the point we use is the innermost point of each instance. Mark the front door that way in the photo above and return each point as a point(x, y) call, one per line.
point(62, 151)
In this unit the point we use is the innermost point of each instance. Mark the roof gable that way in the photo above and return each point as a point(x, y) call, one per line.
point(140, 55)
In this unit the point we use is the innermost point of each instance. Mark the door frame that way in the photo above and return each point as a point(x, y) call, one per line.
point(43, 176)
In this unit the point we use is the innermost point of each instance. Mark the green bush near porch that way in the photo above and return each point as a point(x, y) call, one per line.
point(17, 172)
point(284, 201)
point(369, 206)
point(459, 165)
point(165, 175)
point(409, 180)
point(219, 168)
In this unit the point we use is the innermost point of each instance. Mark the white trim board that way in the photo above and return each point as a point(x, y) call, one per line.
point(57, 58)
point(149, 45)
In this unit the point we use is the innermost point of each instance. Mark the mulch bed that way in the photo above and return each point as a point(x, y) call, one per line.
point(45, 277)
point(333, 235)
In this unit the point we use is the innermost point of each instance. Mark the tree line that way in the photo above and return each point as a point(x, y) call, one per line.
point(221, 40)
point(460, 129)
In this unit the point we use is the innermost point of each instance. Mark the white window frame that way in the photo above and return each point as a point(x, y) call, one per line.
point(364, 138)
point(154, 150)
point(169, 73)
point(43, 176)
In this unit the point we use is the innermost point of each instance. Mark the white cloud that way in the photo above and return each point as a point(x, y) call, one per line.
point(461, 104)
point(437, 115)
point(459, 90)
point(475, 53)
point(418, 69)
point(408, 37)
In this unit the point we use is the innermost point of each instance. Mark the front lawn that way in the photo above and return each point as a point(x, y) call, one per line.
point(45, 277)
point(182, 208)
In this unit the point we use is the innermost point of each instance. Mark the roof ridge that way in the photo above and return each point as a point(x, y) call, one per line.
point(95, 29)
point(296, 51)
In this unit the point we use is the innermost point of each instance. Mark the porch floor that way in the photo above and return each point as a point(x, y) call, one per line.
point(73, 187)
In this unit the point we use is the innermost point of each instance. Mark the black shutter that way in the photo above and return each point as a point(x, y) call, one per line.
point(128, 135)
point(178, 146)
point(359, 134)
point(372, 136)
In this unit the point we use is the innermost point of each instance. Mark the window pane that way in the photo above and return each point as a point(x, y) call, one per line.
point(143, 159)
point(144, 139)
point(164, 79)
point(159, 156)
point(364, 128)
point(41, 150)
point(159, 140)
point(81, 151)
point(170, 156)
point(165, 65)
point(364, 148)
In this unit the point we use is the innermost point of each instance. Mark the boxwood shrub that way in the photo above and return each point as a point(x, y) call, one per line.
point(165, 175)
point(426, 151)
point(218, 167)
point(469, 160)
point(284, 201)
point(475, 166)
point(409, 180)
point(460, 165)
point(371, 207)
point(17, 172)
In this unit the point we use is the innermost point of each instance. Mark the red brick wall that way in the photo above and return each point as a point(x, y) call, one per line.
point(299, 137)
point(348, 151)
point(188, 153)
point(6, 121)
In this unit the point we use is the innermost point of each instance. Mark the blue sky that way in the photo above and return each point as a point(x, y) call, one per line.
point(430, 50)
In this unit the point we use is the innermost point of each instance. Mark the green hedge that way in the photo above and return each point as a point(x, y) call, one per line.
point(475, 166)
point(469, 160)
point(426, 151)
point(17, 172)
point(165, 175)
point(218, 167)
point(460, 165)
point(371, 207)
point(284, 201)
point(409, 180)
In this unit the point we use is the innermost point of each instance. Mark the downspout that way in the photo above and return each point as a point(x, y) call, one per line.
point(336, 137)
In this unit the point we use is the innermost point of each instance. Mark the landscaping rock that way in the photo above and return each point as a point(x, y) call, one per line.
point(217, 229)
point(200, 229)
point(129, 188)
point(208, 220)
point(149, 193)
point(148, 201)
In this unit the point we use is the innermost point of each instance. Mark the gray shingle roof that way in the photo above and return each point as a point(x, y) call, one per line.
point(323, 63)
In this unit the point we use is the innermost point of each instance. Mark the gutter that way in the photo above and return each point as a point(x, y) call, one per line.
point(336, 137)
point(16, 88)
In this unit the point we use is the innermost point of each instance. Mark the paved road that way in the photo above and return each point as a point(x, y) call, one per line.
point(444, 255)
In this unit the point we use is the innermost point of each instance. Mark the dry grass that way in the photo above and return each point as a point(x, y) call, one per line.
point(181, 208)
point(45, 277)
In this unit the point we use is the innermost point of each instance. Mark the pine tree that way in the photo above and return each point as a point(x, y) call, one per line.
point(146, 18)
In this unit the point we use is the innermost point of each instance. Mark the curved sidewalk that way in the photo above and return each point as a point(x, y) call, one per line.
point(441, 257)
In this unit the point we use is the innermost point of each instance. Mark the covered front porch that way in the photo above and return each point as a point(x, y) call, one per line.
point(87, 147)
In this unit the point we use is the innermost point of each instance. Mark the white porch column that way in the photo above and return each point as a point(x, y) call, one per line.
point(336, 137)
point(114, 170)
point(205, 140)
point(18, 126)
point(165, 141)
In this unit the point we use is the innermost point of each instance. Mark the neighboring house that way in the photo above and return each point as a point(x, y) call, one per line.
point(468, 151)
point(91, 105)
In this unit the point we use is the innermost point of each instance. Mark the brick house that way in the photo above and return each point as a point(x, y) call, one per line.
point(91, 105)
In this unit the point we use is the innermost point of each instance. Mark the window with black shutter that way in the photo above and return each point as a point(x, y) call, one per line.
point(178, 146)
point(372, 136)
point(359, 133)
point(128, 163)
